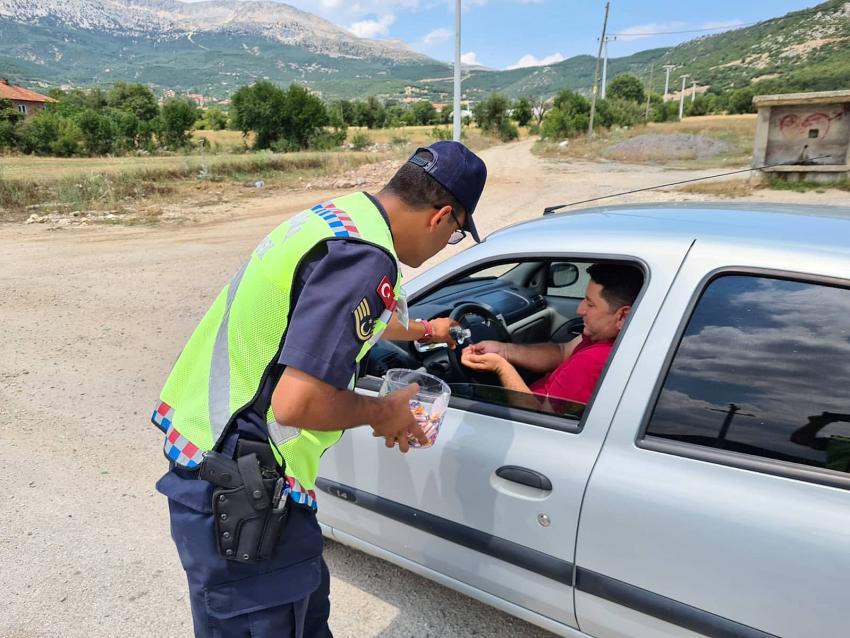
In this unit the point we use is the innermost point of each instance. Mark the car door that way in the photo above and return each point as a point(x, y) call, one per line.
point(720, 503)
point(475, 511)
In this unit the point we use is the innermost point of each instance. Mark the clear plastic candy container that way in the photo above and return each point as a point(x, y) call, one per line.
point(428, 405)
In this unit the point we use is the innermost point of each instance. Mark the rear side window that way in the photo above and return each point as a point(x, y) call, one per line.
point(763, 369)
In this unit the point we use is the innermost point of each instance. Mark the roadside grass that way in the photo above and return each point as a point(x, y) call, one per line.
point(407, 137)
point(738, 131)
point(777, 183)
point(728, 188)
point(68, 185)
point(411, 137)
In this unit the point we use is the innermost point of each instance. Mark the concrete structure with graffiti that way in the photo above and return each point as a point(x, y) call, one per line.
point(809, 133)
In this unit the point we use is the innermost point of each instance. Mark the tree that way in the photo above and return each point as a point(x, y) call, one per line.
point(98, 132)
point(303, 118)
point(9, 117)
point(259, 108)
point(176, 120)
point(522, 111)
point(424, 112)
point(741, 101)
point(39, 132)
point(626, 87)
point(134, 98)
point(492, 117)
point(283, 120)
point(539, 106)
point(568, 116)
point(213, 119)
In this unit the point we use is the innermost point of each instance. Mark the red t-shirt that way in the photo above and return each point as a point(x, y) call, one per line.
point(575, 379)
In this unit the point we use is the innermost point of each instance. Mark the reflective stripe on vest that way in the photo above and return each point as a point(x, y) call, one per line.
point(222, 366)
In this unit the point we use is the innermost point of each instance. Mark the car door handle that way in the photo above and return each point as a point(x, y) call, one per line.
point(524, 476)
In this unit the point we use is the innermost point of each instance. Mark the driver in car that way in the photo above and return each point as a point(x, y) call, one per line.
point(571, 369)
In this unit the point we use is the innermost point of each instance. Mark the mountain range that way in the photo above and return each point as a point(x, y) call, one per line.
point(213, 47)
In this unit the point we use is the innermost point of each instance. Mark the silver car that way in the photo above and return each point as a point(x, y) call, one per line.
point(704, 489)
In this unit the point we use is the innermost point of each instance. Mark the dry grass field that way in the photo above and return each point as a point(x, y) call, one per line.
point(37, 184)
point(51, 184)
point(736, 131)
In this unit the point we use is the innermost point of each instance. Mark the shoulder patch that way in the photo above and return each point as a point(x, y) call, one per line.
point(364, 323)
point(386, 293)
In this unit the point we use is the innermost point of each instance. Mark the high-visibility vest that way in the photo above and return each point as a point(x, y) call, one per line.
point(225, 362)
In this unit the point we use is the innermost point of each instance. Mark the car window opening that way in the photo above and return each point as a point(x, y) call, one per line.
point(542, 333)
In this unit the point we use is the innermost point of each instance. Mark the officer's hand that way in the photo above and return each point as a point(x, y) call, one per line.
point(484, 347)
point(396, 421)
point(441, 334)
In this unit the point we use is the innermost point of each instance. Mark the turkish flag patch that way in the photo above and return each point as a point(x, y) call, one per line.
point(385, 292)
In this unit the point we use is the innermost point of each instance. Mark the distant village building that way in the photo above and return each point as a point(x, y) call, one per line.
point(808, 133)
point(25, 101)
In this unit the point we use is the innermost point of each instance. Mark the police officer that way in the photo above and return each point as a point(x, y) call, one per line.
point(264, 386)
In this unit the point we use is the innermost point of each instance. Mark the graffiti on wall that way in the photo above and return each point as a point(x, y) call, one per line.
point(814, 125)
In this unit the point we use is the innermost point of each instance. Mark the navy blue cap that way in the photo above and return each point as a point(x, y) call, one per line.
point(459, 171)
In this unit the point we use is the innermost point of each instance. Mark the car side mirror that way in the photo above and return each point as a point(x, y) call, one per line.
point(562, 274)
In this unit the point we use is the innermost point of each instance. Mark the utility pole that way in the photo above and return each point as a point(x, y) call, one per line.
point(457, 117)
point(731, 412)
point(648, 91)
point(604, 91)
point(668, 68)
point(693, 91)
point(596, 75)
point(682, 98)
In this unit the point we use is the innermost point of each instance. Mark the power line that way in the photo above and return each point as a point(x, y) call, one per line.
point(551, 209)
point(729, 28)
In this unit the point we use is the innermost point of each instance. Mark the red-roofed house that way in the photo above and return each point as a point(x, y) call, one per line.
point(26, 101)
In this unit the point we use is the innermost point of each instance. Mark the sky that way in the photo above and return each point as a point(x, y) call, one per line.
point(511, 33)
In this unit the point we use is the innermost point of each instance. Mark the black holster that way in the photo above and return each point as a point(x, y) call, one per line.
point(248, 504)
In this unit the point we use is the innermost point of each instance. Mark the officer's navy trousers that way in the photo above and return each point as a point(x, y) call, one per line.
point(284, 597)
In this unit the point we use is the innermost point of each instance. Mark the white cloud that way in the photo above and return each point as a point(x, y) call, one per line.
point(530, 60)
point(372, 28)
point(469, 58)
point(437, 35)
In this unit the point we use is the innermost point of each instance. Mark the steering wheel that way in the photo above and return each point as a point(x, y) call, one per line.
point(493, 327)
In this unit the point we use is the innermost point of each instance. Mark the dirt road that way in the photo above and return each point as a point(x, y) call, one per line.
point(92, 319)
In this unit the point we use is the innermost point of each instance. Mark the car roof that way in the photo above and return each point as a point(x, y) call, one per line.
point(746, 223)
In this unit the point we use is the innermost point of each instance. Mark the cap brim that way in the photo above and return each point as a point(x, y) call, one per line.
point(469, 227)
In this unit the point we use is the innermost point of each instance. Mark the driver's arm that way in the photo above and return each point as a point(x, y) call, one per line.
point(534, 357)
point(415, 331)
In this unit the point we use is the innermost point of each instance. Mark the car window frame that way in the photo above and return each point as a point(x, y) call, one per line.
point(729, 458)
point(539, 419)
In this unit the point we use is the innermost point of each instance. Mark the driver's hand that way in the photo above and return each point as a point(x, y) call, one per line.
point(441, 334)
point(486, 362)
point(495, 347)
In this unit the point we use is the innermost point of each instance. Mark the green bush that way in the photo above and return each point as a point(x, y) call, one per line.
point(38, 133)
point(568, 117)
point(176, 119)
point(522, 111)
point(441, 133)
point(508, 131)
point(8, 135)
point(626, 87)
point(492, 113)
point(360, 141)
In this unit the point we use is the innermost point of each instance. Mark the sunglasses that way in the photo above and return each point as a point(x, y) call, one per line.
point(458, 235)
